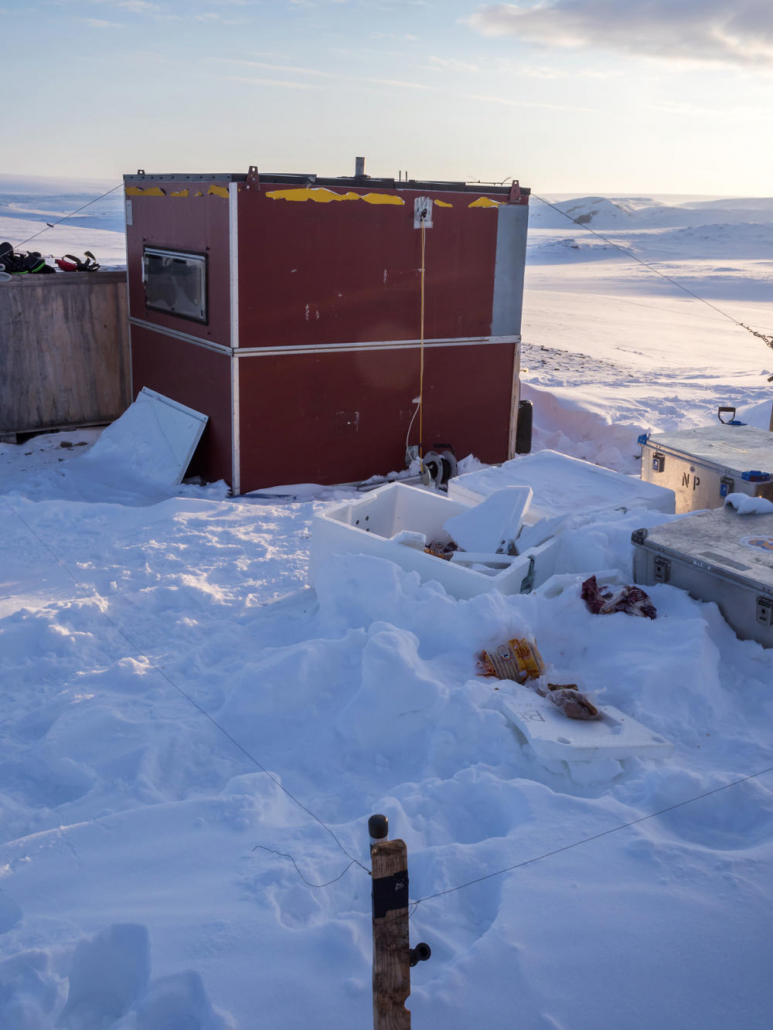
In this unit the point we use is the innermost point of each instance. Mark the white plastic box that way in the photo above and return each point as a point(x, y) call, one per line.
point(563, 486)
point(370, 525)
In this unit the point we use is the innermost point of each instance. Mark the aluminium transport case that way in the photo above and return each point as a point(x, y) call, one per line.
point(703, 465)
point(716, 556)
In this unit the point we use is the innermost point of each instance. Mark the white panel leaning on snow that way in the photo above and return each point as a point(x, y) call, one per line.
point(154, 439)
point(562, 486)
point(385, 524)
point(553, 736)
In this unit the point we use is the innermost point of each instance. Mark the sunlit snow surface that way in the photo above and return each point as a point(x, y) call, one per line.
point(130, 894)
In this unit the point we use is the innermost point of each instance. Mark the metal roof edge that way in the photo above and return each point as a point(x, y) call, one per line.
point(311, 179)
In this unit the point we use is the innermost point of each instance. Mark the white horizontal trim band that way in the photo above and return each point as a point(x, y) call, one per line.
point(325, 348)
point(187, 337)
point(337, 348)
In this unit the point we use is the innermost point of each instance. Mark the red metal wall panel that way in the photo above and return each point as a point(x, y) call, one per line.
point(192, 375)
point(190, 223)
point(342, 416)
point(348, 271)
point(314, 274)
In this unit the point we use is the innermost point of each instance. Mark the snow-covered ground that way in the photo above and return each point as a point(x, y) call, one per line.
point(131, 893)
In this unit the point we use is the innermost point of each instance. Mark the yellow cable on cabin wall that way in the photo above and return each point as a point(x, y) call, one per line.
point(421, 343)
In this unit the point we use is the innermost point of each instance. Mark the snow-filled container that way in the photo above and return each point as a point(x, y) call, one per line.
point(703, 465)
point(562, 486)
point(395, 521)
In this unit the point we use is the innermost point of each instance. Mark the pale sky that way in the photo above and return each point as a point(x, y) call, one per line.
point(637, 96)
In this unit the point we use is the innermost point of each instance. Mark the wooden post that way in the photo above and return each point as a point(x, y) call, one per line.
point(391, 942)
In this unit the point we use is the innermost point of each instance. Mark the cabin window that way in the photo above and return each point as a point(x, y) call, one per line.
point(175, 283)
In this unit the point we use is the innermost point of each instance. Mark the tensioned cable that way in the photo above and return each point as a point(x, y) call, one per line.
point(318, 886)
point(51, 225)
point(587, 840)
point(768, 339)
point(97, 597)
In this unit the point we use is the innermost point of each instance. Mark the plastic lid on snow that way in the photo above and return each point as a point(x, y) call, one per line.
point(563, 485)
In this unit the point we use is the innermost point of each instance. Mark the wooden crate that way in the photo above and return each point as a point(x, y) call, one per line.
point(64, 351)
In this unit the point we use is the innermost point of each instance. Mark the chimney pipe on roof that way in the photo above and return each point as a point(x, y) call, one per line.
point(359, 167)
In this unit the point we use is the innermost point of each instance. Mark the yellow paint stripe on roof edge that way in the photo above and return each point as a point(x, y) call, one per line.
point(218, 191)
point(443, 203)
point(180, 193)
point(485, 202)
point(322, 195)
point(382, 198)
point(318, 194)
point(151, 191)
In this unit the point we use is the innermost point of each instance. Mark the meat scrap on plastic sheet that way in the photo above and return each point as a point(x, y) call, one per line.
point(519, 659)
point(631, 600)
point(567, 698)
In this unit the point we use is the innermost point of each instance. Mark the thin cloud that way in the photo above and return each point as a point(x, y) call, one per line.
point(143, 7)
point(212, 16)
point(138, 6)
point(394, 35)
point(399, 82)
point(525, 103)
point(695, 30)
point(97, 23)
point(450, 64)
point(289, 68)
point(337, 78)
point(284, 83)
point(532, 72)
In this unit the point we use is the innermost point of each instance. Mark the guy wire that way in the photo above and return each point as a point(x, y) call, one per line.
point(94, 596)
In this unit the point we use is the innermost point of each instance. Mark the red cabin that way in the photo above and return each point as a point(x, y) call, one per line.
point(293, 311)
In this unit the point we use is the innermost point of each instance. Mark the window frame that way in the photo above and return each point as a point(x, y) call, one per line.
point(156, 250)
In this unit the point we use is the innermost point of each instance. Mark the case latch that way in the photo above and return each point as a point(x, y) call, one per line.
point(662, 570)
point(658, 462)
point(726, 485)
point(765, 611)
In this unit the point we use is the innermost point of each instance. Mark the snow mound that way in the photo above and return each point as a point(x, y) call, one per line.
point(103, 983)
point(598, 212)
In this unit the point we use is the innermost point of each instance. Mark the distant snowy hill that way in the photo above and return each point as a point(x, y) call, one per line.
point(656, 228)
point(641, 212)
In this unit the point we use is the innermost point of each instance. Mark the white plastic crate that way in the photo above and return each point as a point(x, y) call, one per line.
point(370, 526)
